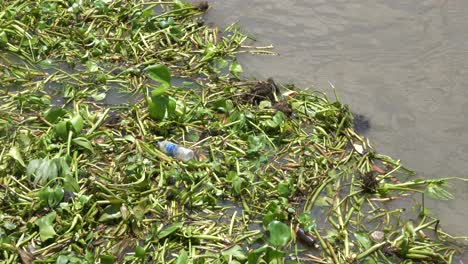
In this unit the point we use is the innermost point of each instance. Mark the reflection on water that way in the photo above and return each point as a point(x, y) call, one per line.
point(402, 64)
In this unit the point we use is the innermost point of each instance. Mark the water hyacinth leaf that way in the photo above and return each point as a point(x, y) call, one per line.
point(101, 5)
point(363, 239)
point(283, 189)
point(254, 256)
point(183, 257)
point(306, 221)
point(76, 123)
point(42, 170)
point(140, 252)
point(84, 143)
point(171, 107)
point(63, 259)
point(236, 252)
point(70, 184)
point(159, 73)
point(170, 229)
point(219, 64)
point(16, 154)
point(92, 66)
point(33, 166)
point(61, 130)
point(111, 212)
point(46, 64)
point(276, 120)
point(268, 218)
point(107, 259)
point(160, 90)
point(437, 191)
point(62, 167)
point(46, 227)
point(164, 23)
point(280, 233)
point(225, 105)
point(3, 38)
point(99, 96)
point(157, 107)
point(53, 114)
point(273, 255)
point(256, 143)
point(237, 184)
point(9, 226)
point(236, 69)
point(51, 196)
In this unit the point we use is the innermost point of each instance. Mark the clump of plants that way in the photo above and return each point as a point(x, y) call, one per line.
point(279, 175)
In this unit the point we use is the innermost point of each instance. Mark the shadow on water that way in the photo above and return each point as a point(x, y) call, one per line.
point(361, 124)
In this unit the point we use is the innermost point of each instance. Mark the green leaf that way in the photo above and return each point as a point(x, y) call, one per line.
point(45, 224)
point(236, 252)
point(183, 257)
point(171, 107)
point(92, 66)
point(363, 239)
point(70, 184)
point(140, 252)
point(160, 90)
point(283, 189)
point(3, 38)
point(61, 130)
point(256, 143)
point(9, 226)
point(436, 191)
point(42, 170)
point(254, 256)
point(280, 234)
point(16, 154)
point(159, 73)
point(157, 107)
point(237, 184)
point(51, 197)
point(164, 23)
point(111, 212)
point(276, 120)
point(46, 171)
point(76, 123)
point(170, 229)
point(107, 259)
point(219, 64)
point(235, 69)
point(53, 114)
point(84, 143)
point(307, 222)
point(46, 64)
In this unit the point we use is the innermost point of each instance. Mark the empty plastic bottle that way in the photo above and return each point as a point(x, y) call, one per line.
point(176, 151)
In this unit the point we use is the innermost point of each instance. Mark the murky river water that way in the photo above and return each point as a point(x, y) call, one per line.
point(402, 64)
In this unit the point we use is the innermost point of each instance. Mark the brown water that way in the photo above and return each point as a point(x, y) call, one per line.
point(403, 64)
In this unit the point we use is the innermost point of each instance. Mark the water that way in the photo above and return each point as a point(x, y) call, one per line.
point(402, 64)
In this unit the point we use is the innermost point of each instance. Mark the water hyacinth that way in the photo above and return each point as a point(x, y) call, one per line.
point(277, 175)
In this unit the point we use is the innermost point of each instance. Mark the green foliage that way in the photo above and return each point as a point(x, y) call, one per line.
point(437, 191)
point(51, 196)
point(280, 233)
point(170, 230)
point(46, 226)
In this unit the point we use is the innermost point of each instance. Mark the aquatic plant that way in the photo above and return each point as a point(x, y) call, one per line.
point(280, 174)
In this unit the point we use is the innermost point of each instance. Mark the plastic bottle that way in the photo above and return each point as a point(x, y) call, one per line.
point(176, 151)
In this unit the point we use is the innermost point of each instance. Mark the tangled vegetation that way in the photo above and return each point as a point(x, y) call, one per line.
point(280, 174)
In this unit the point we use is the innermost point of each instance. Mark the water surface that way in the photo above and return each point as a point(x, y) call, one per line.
point(402, 64)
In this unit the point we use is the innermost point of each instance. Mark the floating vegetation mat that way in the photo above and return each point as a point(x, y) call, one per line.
point(279, 174)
